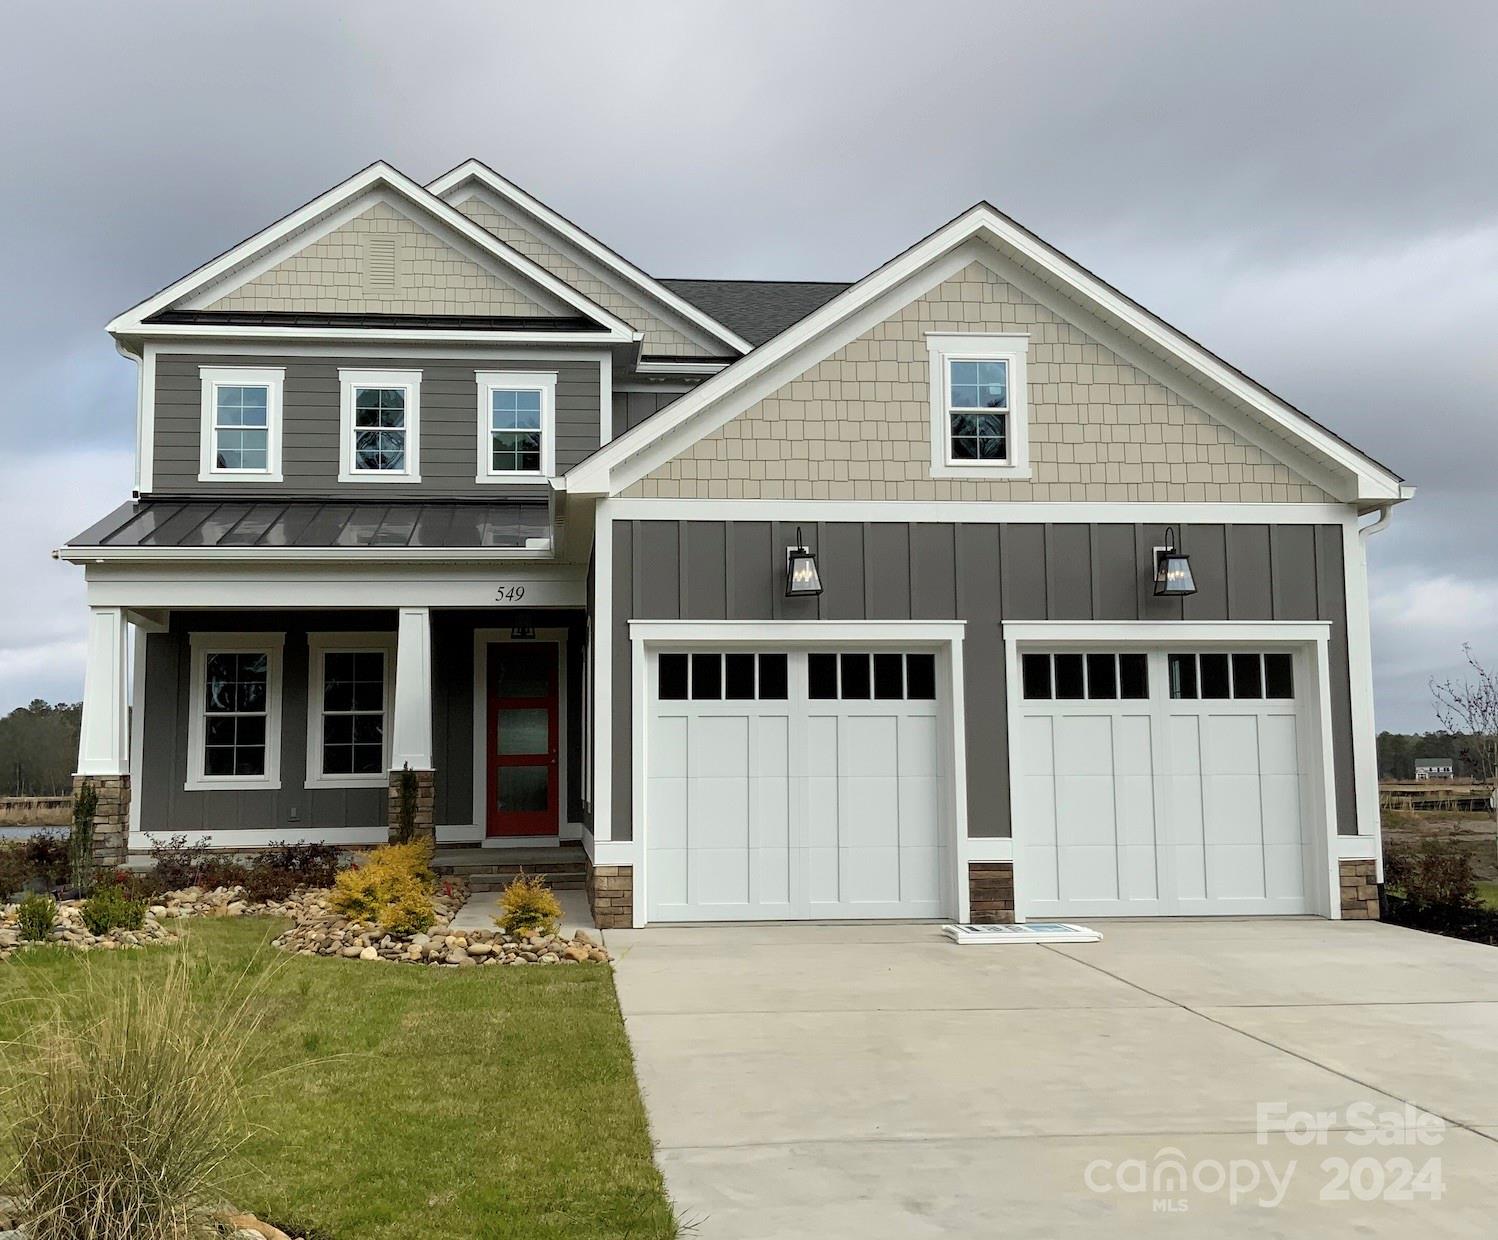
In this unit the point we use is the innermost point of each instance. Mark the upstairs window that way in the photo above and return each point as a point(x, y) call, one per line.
point(516, 426)
point(978, 410)
point(241, 425)
point(381, 425)
point(978, 406)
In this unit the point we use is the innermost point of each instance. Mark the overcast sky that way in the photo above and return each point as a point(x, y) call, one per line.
point(1310, 189)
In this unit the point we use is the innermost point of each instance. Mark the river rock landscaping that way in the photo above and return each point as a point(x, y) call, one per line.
point(320, 931)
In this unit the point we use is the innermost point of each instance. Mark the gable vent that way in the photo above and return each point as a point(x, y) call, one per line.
point(380, 259)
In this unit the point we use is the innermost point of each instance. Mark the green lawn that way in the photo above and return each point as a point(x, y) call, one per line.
point(1488, 892)
point(424, 1102)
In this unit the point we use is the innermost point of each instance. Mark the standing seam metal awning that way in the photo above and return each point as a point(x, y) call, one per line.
point(357, 525)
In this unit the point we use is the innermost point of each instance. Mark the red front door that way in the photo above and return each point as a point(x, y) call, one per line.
point(523, 777)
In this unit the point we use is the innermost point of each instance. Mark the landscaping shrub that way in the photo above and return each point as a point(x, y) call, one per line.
point(81, 842)
point(110, 907)
point(176, 863)
point(405, 806)
point(130, 1097)
point(266, 882)
point(528, 906)
point(1433, 888)
point(393, 888)
point(47, 858)
point(315, 865)
point(13, 868)
point(38, 914)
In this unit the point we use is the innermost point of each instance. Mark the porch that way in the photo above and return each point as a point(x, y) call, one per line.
point(259, 725)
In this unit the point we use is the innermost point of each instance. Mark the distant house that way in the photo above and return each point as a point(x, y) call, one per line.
point(1434, 768)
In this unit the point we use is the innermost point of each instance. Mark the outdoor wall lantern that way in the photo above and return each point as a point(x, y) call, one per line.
point(801, 577)
point(1173, 568)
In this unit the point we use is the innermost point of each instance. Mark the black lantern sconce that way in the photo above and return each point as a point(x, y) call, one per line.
point(1173, 569)
point(801, 577)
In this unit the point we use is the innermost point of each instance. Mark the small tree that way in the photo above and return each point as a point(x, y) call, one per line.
point(405, 808)
point(1468, 709)
point(81, 842)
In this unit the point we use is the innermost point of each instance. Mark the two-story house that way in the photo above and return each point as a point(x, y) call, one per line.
point(969, 590)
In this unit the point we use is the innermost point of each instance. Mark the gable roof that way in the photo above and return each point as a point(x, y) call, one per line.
point(269, 245)
point(657, 290)
point(758, 310)
point(717, 400)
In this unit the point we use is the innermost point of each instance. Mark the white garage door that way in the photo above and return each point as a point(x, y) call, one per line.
point(1162, 782)
point(794, 785)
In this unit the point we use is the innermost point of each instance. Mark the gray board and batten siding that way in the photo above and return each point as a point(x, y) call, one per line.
point(167, 807)
point(311, 412)
point(983, 574)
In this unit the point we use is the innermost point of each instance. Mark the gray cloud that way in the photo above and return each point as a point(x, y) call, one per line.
point(1308, 189)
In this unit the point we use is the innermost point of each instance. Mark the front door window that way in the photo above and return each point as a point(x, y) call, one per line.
point(523, 783)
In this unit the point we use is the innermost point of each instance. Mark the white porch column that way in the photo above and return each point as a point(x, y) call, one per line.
point(104, 744)
point(411, 732)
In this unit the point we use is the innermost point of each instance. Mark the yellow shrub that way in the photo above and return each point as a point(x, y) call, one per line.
point(528, 907)
point(393, 887)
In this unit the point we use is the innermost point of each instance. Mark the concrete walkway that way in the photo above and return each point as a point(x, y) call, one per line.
point(875, 1081)
point(482, 907)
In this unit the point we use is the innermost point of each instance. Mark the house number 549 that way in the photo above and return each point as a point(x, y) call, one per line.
point(509, 594)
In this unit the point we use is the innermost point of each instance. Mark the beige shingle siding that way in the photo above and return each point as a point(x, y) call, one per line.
point(332, 275)
point(858, 424)
point(660, 338)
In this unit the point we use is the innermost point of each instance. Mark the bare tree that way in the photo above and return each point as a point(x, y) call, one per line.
point(1468, 709)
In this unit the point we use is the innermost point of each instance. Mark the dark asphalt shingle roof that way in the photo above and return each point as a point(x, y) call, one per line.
point(756, 309)
point(358, 524)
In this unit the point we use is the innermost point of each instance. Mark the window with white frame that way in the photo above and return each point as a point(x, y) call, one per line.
point(348, 709)
point(517, 425)
point(381, 426)
point(979, 413)
point(235, 721)
point(241, 424)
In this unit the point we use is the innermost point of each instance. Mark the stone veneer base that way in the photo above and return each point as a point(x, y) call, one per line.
point(990, 891)
point(1359, 885)
point(423, 824)
point(611, 896)
point(111, 819)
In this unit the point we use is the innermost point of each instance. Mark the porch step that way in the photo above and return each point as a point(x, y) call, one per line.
point(490, 869)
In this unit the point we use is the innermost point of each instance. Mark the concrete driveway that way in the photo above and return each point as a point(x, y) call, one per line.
point(876, 1081)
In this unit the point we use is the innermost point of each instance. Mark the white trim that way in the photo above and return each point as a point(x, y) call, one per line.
point(794, 632)
point(605, 399)
point(482, 638)
point(990, 848)
point(104, 731)
point(603, 674)
point(319, 646)
point(168, 334)
point(1311, 639)
point(1011, 348)
point(634, 455)
point(273, 380)
point(348, 196)
point(1361, 848)
point(411, 717)
point(484, 348)
point(945, 637)
point(292, 833)
point(296, 555)
point(334, 586)
point(647, 367)
point(1360, 680)
point(473, 170)
point(962, 512)
point(1179, 632)
point(491, 381)
point(137, 718)
point(202, 645)
point(350, 383)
